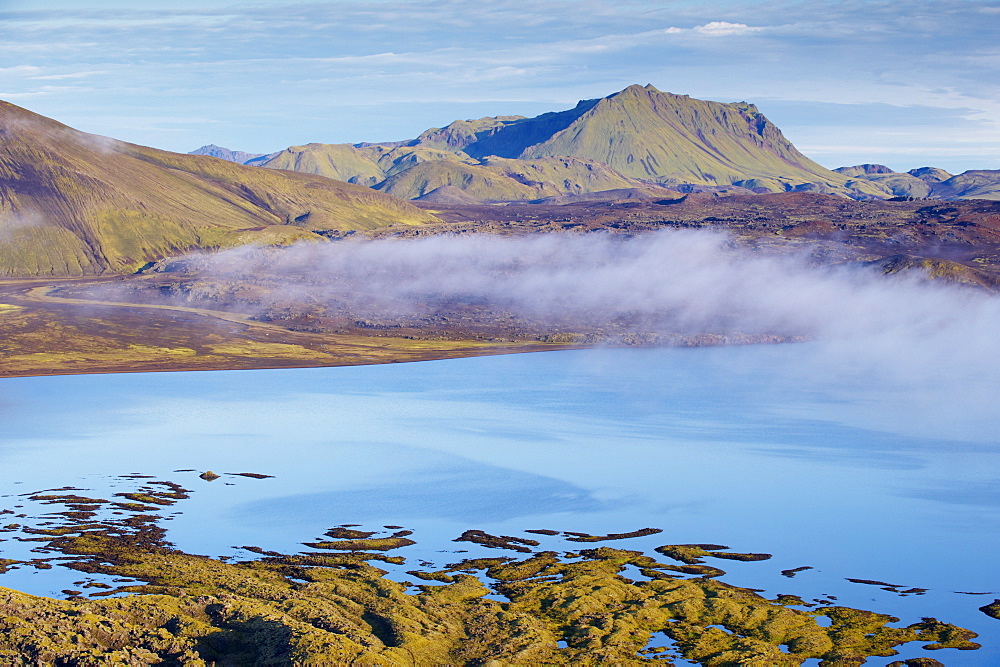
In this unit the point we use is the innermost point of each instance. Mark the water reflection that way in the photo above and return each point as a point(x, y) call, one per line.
point(763, 448)
point(463, 493)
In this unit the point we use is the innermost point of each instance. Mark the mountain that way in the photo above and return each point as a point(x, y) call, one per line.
point(864, 170)
point(644, 133)
point(896, 184)
point(504, 179)
point(239, 157)
point(930, 174)
point(73, 203)
point(931, 182)
point(637, 137)
point(973, 184)
point(368, 164)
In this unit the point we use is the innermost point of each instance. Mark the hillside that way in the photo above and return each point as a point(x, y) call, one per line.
point(366, 165)
point(504, 179)
point(76, 204)
point(645, 133)
point(635, 138)
point(930, 182)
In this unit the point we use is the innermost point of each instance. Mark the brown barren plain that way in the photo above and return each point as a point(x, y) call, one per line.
point(66, 325)
point(47, 335)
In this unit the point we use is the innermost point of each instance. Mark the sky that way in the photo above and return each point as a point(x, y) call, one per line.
point(906, 83)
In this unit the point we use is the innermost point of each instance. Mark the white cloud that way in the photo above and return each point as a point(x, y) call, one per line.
point(19, 70)
point(68, 75)
point(724, 28)
point(328, 60)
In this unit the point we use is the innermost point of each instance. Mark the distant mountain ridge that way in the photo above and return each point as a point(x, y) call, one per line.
point(637, 138)
point(239, 157)
point(930, 182)
point(73, 203)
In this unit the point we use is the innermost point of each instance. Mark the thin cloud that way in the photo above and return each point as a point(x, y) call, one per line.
point(69, 75)
point(227, 62)
point(725, 29)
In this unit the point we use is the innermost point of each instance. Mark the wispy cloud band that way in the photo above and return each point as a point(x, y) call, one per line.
point(279, 73)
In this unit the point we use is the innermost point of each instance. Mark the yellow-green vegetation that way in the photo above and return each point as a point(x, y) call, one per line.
point(365, 165)
point(586, 537)
point(252, 348)
point(930, 182)
point(974, 184)
point(934, 268)
point(339, 608)
point(901, 185)
point(645, 133)
point(463, 133)
point(76, 204)
point(509, 180)
point(412, 171)
point(35, 250)
point(638, 133)
point(693, 554)
point(44, 334)
point(372, 544)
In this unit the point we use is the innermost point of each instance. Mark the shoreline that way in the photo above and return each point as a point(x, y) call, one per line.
point(50, 335)
point(541, 595)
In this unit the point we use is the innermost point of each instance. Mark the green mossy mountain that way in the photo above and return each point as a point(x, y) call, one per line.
point(973, 184)
point(72, 203)
point(365, 165)
point(636, 138)
point(645, 133)
point(930, 182)
point(496, 178)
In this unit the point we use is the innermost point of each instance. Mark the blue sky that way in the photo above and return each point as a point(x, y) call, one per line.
point(905, 83)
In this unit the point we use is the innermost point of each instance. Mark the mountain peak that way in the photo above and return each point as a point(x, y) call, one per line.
point(638, 88)
point(864, 169)
point(638, 91)
point(646, 133)
point(640, 132)
point(225, 154)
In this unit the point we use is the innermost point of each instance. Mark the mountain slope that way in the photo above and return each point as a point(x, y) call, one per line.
point(512, 140)
point(638, 133)
point(73, 203)
point(461, 133)
point(503, 179)
point(368, 164)
point(972, 184)
point(932, 183)
point(645, 133)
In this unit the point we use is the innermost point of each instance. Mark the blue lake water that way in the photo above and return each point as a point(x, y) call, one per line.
point(762, 448)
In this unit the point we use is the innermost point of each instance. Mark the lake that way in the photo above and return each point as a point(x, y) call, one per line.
point(773, 449)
